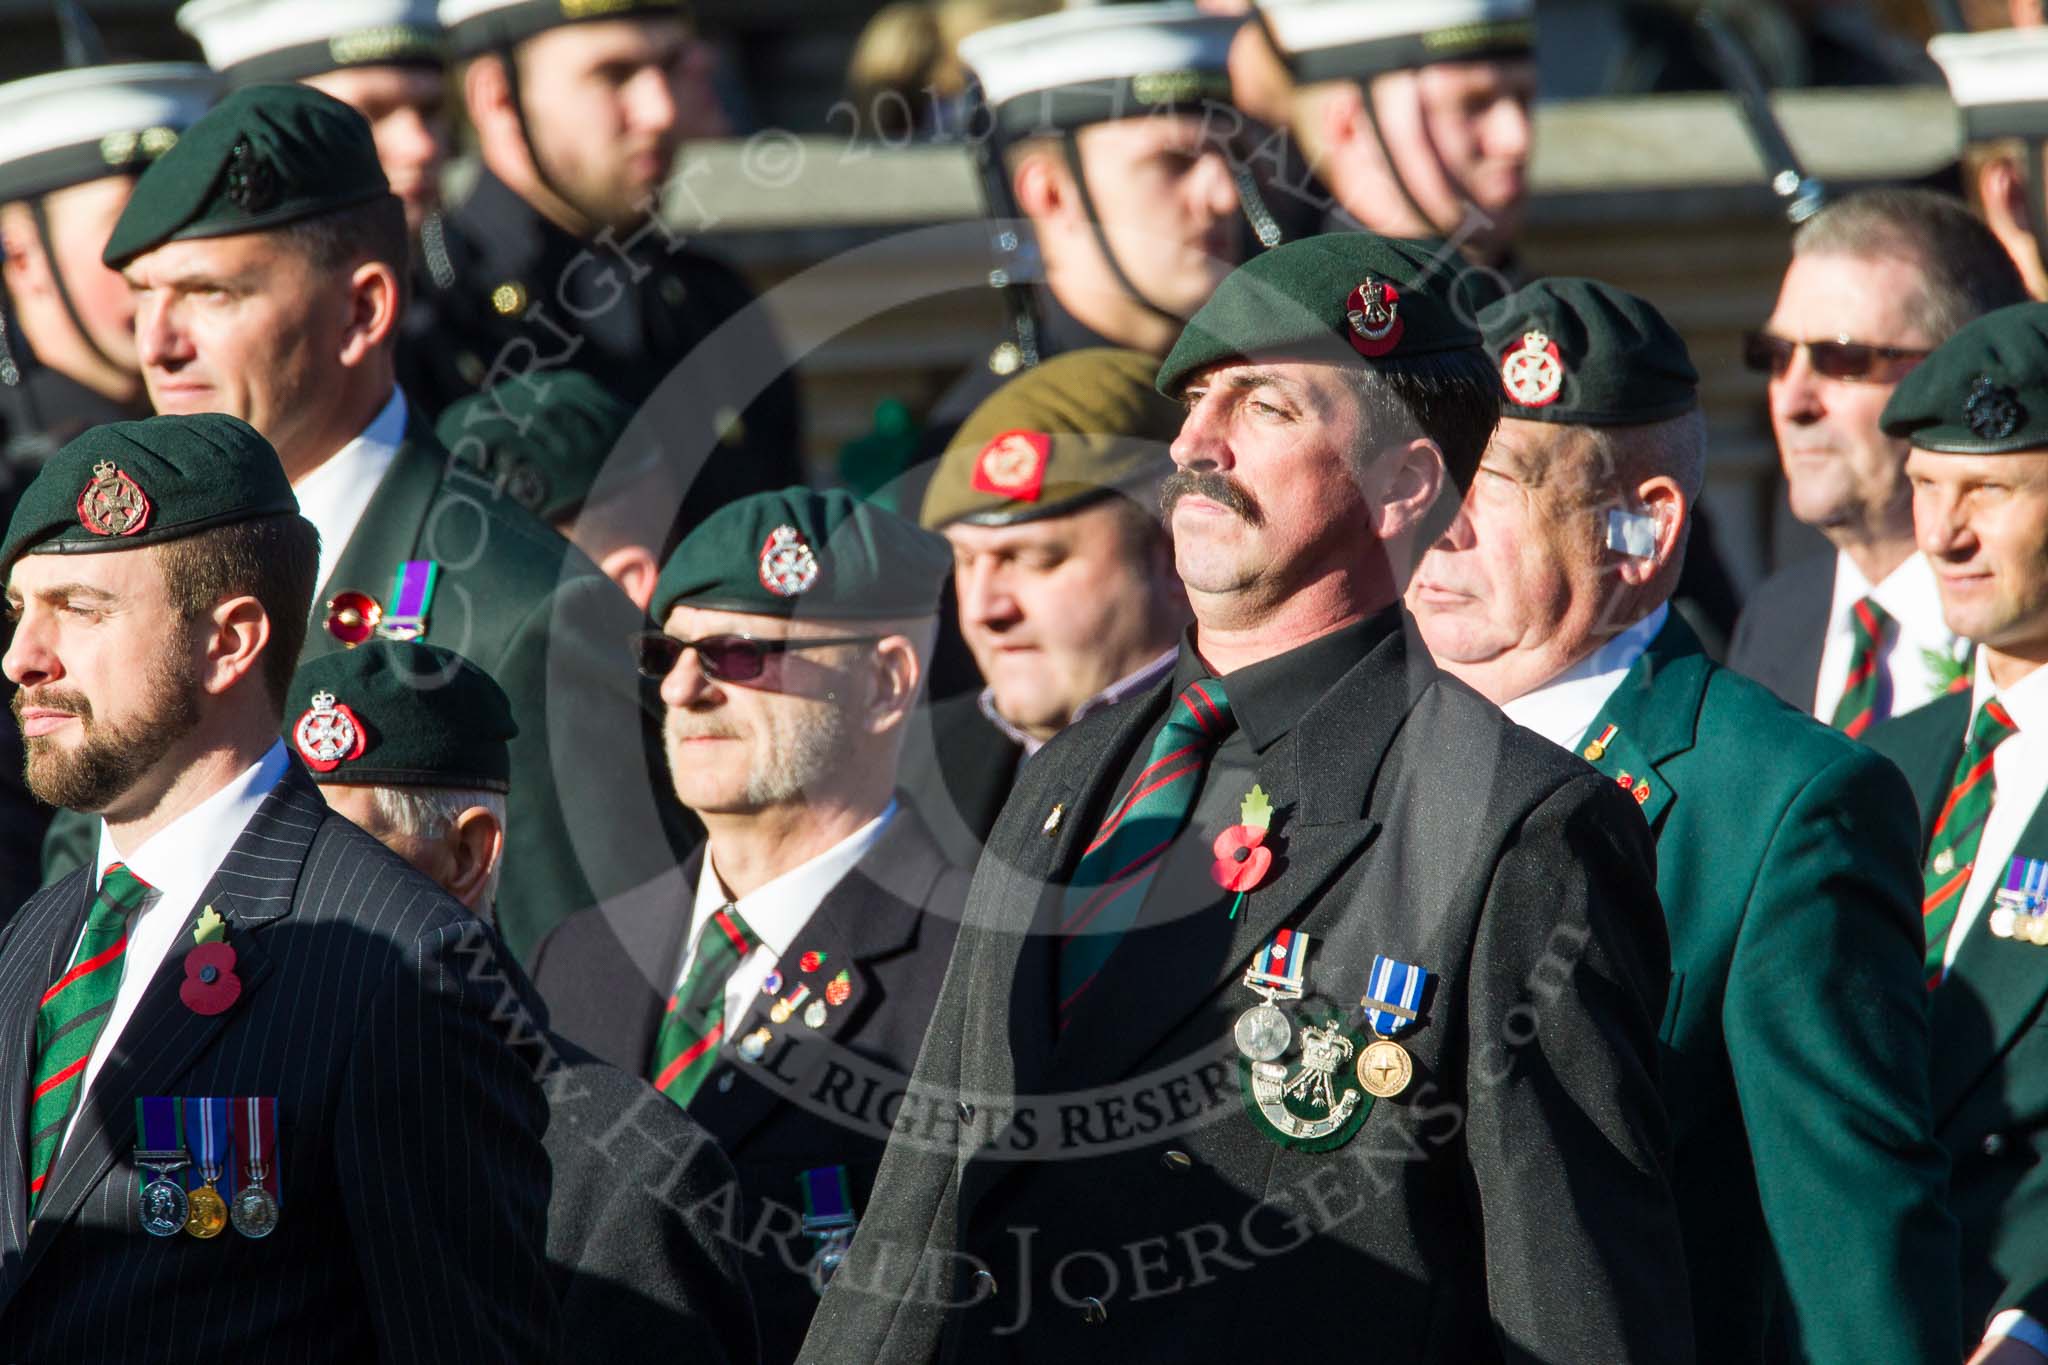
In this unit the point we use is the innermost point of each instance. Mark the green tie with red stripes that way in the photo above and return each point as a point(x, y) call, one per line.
point(1109, 885)
point(1866, 697)
point(72, 1013)
point(1952, 852)
point(687, 1046)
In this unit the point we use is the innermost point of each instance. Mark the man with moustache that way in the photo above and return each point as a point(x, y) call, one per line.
point(1350, 960)
point(561, 256)
point(245, 1032)
point(1877, 280)
point(1783, 848)
point(1975, 417)
point(267, 258)
point(780, 996)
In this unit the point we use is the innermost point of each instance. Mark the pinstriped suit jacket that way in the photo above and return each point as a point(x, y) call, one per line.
point(415, 1186)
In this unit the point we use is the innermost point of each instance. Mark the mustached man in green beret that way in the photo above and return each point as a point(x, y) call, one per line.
point(249, 1029)
point(779, 989)
point(267, 256)
point(1063, 575)
point(409, 741)
point(1303, 978)
point(1783, 849)
point(1975, 414)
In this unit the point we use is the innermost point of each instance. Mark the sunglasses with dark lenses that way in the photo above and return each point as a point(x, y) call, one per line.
point(1763, 353)
point(728, 658)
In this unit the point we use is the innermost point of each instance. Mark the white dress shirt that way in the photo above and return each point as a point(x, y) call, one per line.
point(177, 861)
point(335, 496)
point(2019, 767)
point(776, 911)
point(1563, 709)
point(1909, 594)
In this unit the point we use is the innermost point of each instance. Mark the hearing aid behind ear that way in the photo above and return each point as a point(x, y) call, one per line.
point(1632, 533)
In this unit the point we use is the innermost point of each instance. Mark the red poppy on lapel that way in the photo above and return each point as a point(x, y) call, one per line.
point(1242, 858)
point(210, 985)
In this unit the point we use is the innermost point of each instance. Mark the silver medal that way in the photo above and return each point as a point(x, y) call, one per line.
point(254, 1212)
point(164, 1207)
point(1263, 1033)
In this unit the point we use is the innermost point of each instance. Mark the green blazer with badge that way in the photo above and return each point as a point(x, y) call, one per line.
point(584, 816)
point(1795, 1031)
point(1990, 1055)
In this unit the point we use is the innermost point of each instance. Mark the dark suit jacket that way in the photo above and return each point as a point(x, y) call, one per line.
point(1990, 1056)
point(415, 1187)
point(588, 815)
point(1783, 628)
point(1785, 863)
point(957, 770)
point(1511, 1204)
point(823, 1097)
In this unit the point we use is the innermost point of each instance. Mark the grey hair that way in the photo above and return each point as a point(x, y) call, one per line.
point(430, 812)
point(1964, 270)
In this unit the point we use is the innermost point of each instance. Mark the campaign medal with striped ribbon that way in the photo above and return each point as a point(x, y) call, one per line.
point(255, 1208)
point(2020, 905)
point(1263, 1033)
point(160, 1123)
point(1393, 1002)
point(828, 1217)
point(206, 1127)
point(1318, 1104)
point(412, 597)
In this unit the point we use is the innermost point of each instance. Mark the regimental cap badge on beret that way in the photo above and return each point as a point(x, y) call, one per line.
point(1532, 371)
point(788, 568)
point(1012, 465)
point(1993, 411)
point(1374, 312)
point(251, 182)
point(112, 504)
point(329, 734)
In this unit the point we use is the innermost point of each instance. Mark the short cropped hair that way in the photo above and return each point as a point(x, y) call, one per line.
point(350, 237)
point(1964, 270)
point(272, 559)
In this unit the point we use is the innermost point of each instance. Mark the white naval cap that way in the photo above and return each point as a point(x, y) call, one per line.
point(486, 25)
point(252, 41)
point(1998, 79)
point(1327, 40)
point(68, 127)
point(1082, 66)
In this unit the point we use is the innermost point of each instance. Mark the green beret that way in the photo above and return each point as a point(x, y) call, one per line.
point(1984, 391)
point(1582, 353)
point(395, 713)
point(477, 26)
point(265, 156)
point(542, 442)
point(798, 552)
point(1080, 427)
point(129, 484)
point(1351, 298)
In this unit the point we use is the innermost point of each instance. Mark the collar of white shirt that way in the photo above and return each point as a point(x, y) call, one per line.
point(778, 910)
point(1563, 708)
point(1109, 696)
point(335, 496)
point(2026, 701)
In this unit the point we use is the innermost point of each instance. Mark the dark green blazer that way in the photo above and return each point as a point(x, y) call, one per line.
point(589, 814)
point(1990, 1062)
point(1795, 1031)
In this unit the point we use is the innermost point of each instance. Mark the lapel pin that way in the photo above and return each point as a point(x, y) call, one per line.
point(1597, 749)
point(1052, 819)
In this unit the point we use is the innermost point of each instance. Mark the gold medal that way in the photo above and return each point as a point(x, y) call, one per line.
point(208, 1215)
point(1385, 1068)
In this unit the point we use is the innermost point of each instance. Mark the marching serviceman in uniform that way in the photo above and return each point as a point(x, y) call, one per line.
point(561, 254)
point(409, 742)
point(1975, 414)
point(1062, 575)
point(1781, 845)
point(262, 1105)
point(1303, 989)
point(276, 201)
point(783, 1004)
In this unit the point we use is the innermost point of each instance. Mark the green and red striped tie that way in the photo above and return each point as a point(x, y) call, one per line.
point(72, 1013)
point(1866, 697)
point(1952, 852)
point(687, 1046)
point(1109, 885)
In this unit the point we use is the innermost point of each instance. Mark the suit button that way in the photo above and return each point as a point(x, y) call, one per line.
point(984, 1285)
point(1180, 1163)
point(1994, 1144)
point(1092, 1311)
point(966, 1112)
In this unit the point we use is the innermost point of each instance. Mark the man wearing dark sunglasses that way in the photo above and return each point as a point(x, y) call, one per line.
point(1855, 634)
point(780, 987)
